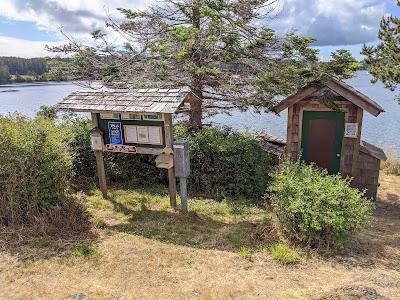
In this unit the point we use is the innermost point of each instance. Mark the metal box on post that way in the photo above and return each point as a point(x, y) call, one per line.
point(182, 158)
point(182, 168)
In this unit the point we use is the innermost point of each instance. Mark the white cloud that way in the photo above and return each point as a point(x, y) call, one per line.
point(339, 22)
point(17, 47)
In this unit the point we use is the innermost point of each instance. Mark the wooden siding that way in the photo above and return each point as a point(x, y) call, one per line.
point(366, 174)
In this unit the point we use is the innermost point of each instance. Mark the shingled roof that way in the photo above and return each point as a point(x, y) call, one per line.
point(340, 88)
point(139, 100)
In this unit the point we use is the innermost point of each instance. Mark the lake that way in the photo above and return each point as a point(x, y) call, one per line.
point(382, 131)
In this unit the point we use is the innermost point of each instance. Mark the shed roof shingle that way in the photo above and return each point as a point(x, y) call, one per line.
point(139, 100)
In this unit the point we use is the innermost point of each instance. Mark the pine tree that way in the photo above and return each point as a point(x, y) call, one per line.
point(384, 59)
point(220, 48)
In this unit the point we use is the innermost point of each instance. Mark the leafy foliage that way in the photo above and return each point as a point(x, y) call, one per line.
point(384, 59)
point(225, 163)
point(316, 208)
point(34, 169)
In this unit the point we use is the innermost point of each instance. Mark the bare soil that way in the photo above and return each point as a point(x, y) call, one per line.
point(146, 251)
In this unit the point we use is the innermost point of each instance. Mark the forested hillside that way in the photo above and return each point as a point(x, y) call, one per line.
point(25, 66)
point(17, 69)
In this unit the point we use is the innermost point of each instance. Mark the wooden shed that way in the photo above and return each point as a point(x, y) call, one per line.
point(324, 127)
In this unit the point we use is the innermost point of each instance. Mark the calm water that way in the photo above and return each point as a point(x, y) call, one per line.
point(383, 131)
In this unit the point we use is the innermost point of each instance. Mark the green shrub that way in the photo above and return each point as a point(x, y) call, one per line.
point(34, 169)
point(316, 208)
point(225, 163)
point(284, 253)
point(120, 167)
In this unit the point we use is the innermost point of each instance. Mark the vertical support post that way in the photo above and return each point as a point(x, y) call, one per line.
point(183, 189)
point(169, 140)
point(101, 172)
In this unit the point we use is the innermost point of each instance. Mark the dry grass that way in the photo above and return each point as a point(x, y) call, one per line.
point(139, 249)
point(391, 166)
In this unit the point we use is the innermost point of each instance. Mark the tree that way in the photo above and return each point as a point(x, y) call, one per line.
point(384, 59)
point(220, 48)
point(4, 74)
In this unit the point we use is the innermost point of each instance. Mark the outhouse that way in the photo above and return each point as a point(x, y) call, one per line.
point(132, 121)
point(324, 127)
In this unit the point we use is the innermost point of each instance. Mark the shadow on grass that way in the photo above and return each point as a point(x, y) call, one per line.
point(192, 229)
point(53, 233)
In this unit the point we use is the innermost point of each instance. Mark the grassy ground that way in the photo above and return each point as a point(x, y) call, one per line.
point(139, 249)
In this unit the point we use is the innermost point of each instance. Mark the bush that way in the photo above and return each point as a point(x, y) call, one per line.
point(34, 169)
point(316, 208)
point(225, 163)
point(120, 167)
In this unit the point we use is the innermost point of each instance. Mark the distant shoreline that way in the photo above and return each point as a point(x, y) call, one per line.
point(34, 83)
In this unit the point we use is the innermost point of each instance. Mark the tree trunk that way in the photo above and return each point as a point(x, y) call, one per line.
point(196, 111)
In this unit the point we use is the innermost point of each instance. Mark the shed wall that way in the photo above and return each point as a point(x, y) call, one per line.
point(366, 174)
point(350, 146)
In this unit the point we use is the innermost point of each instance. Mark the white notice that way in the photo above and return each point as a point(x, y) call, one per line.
point(143, 135)
point(155, 136)
point(131, 134)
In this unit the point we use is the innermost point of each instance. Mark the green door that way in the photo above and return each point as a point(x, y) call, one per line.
point(322, 136)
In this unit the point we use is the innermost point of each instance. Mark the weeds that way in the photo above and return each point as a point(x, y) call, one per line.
point(284, 253)
point(236, 239)
point(40, 243)
point(391, 165)
point(245, 252)
point(83, 250)
point(99, 223)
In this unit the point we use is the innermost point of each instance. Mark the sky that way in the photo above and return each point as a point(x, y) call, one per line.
point(26, 26)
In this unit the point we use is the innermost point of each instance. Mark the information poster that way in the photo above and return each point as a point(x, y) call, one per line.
point(115, 133)
point(143, 134)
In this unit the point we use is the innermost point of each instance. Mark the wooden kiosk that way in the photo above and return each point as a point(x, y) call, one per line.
point(324, 127)
point(133, 122)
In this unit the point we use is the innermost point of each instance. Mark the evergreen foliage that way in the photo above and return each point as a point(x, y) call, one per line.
point(220, 48)
point(384, 59)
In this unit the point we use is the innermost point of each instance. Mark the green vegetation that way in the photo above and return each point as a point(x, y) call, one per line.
point(83, 250)
point(229, 58)
point(315, 208)
point(35, 168)
point(17, 69)
point(40, 243)
point(384, 59)
point(284, 253)
point(225, 163)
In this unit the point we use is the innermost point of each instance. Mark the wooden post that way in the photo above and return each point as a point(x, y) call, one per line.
point(169, 140)
point(101, 172)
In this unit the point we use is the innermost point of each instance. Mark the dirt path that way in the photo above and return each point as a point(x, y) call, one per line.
point(134, 267)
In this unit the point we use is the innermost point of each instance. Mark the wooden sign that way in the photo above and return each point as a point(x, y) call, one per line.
point(121, 148)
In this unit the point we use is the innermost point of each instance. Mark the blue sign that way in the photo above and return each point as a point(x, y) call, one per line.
point(115, 133)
